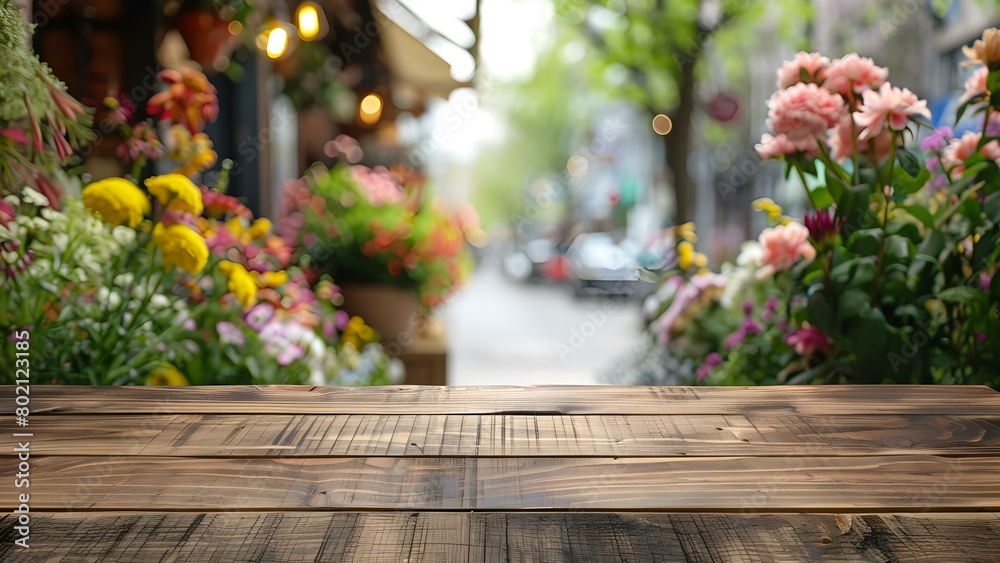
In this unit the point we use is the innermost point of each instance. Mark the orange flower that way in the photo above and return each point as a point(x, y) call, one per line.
point(189, 100)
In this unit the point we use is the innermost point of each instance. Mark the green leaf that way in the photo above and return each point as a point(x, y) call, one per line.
point(904, 185)
point(853, 302)
point(865, 242)
point(820, 313)
point(920, 213)
point(909, 162)
point(933, 245)
point(868, 334)
point(992, 207)
point(959, 294)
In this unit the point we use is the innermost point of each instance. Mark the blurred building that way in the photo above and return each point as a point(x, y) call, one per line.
point(287, 86)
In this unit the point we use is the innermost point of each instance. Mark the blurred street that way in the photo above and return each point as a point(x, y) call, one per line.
point(501, 332)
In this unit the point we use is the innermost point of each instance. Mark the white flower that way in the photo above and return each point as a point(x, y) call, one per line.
point(113, 300)
point(33, 197)
point(751, 253)
point(52, 215)
point(159, 301)
point(124, 235)
point(60, 241)
point(124, 280)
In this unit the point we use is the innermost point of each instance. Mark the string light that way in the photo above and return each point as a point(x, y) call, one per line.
point(370, 109)
point(310, 20)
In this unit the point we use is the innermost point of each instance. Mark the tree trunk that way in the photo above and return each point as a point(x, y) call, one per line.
point(678, 145)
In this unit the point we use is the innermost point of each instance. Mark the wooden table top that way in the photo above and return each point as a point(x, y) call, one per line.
point(805, 473)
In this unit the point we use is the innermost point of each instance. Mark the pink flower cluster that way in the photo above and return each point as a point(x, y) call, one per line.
point(379, 185)
point(845, 104)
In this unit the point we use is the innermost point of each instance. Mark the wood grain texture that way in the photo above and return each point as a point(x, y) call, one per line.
point(736, 484)
point(806, 399)
point(575, 400)
point(495, 537)
point(757, 434)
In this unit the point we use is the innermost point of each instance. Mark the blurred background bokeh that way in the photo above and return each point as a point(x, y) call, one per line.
point(579, 129)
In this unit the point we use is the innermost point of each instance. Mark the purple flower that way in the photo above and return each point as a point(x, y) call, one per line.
point(937, 140)
point(770, 308)
point(984, 282)
point(981, 337)
point(712, 361)
point(342, 319)
point(259, 316)
point(749, 328)
point(289, 354)
point(230, 333)
point(993, 126)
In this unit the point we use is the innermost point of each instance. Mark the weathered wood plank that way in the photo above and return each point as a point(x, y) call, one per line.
point(839, 400)
point(795, 484)
point(491, 537)
point(757, 434)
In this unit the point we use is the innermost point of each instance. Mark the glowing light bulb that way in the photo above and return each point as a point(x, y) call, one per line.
point(309, 23)
point(371, 104)
point(277, 42)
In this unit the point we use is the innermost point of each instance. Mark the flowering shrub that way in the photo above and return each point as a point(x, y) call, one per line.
point(359, 224)
point(888, 278)
point(168, 282)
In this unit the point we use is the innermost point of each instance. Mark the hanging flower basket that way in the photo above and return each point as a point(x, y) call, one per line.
point(206, 35)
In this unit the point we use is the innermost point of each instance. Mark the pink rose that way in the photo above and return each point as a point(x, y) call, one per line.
point(854, 74)
point(783, 246)
point(804, 112)
point(842, 141)
point(959, 150)
point(889, 105)
point(779, 146)
point(975, 85)
point(813, 64)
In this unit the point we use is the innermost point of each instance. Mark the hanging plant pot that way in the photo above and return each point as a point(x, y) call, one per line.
point(206, 35)
point(393, 312)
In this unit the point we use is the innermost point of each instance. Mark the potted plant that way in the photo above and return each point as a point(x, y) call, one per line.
point(394, 250)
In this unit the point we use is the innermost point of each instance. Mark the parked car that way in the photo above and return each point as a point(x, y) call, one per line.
point(599, 265)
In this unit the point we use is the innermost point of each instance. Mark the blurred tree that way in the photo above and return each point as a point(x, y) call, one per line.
point(542, 114)
point(649, 52)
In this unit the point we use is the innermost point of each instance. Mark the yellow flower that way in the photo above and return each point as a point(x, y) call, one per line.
point(768, 206)
point(986, 50)
point(240, 283)
point(259, 228)
point(357, 333)
point(192, 153)
point(271, 279)
point(177, 193)
point(181, 247)
point(116, 201)
point(686, 232)
point(168, 376)
point(687, 257)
